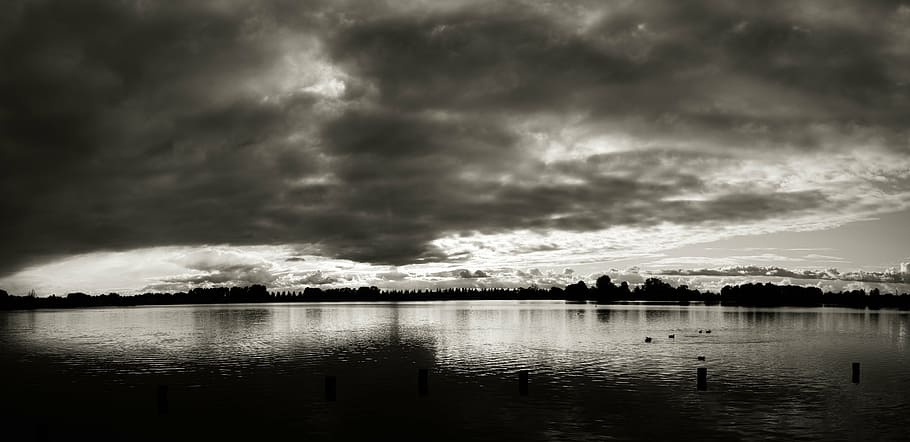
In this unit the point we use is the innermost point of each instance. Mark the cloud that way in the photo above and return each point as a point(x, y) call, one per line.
point(804, 274)
point(392, 276)
point(315, 278)
point(399, 133)
point(499, 277)
point(476, 274)
point(726, 73)
point(828, 258)
point(460, 273)
point(232, 276)
point(160, 141)
point(213, 266)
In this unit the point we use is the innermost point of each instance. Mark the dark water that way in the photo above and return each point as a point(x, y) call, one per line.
point(256, 372)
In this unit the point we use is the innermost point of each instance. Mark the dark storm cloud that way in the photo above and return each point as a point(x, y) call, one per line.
point(478, 60)
point(716, 70)
point(396, 189)
point(123, 125)
point(132, 124)
point(409, 186)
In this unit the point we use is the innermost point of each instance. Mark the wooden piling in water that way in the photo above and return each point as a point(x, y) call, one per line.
point(702, 378)
point(523, 382)
point(856, 372)
point(331, 385)
point(423, 384)
point(162, 400)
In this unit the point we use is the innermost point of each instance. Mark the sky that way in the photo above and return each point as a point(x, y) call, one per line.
point(169, 145)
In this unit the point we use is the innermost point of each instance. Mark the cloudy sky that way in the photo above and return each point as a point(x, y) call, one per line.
point(161, 145)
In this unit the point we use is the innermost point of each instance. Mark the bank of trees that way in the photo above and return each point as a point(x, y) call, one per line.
point(604, 291)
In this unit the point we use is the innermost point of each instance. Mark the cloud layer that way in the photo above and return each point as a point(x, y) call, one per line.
point(408, 133)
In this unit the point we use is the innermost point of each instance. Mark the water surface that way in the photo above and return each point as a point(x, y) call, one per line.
point(256, 371)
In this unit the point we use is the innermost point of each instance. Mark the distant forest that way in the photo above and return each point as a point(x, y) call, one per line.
point(603, 292)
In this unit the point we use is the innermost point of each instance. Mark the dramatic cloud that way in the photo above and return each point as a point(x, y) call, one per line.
point(315, 278)
point(218, 267)
point(448, 135)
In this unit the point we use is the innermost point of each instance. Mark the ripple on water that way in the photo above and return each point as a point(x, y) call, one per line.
point(781, 375)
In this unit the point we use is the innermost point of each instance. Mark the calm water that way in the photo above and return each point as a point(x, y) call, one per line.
point(256, 372)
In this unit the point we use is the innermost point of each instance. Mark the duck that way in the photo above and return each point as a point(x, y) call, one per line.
point(708, 331)
point(701, 358)
point(672, 336)
point(647, 339)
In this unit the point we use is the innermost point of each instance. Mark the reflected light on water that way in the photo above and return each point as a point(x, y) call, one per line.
point(772, 373)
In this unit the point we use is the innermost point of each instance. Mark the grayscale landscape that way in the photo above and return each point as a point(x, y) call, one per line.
point(460, 220)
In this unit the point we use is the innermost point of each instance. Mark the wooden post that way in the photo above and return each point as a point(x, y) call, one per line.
point(330, 388)
point(856, 372)
point(523, 382)
point(702, 378)
point(162, 400)
point(423, 384)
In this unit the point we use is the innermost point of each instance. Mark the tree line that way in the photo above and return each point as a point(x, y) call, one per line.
point(605, 291)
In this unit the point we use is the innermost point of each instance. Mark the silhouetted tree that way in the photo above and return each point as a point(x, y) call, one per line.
point(606, 290)
point(577, 291)
point(604, 283)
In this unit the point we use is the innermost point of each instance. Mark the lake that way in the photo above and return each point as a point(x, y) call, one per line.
point(257, 372)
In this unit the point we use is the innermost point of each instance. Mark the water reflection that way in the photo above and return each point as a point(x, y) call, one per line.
point(780, 373)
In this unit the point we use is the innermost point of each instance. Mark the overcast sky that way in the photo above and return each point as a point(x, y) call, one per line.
point(162, 145)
